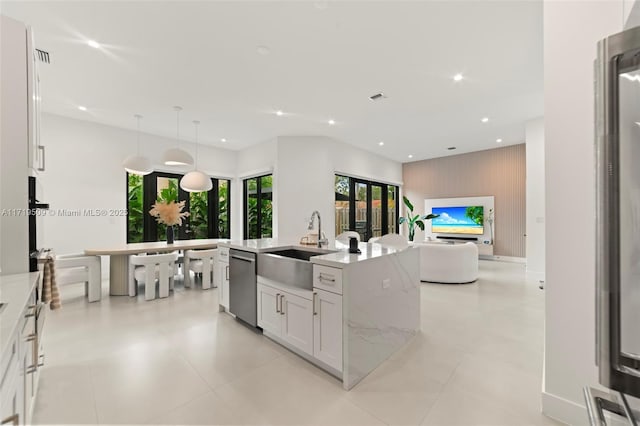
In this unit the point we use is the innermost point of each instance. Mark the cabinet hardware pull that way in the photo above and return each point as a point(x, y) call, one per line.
point(30, 338)
point(41, 364)
point(227, 272)
point(14, 420)
point(282, 304)
point(315, 295)
point(277, 298)
point(41, 148)
point(322, 277)
point(31, 369)
point(33, 311)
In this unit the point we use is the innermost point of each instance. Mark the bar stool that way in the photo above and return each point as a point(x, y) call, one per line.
point(146, 268)
point(201, 262)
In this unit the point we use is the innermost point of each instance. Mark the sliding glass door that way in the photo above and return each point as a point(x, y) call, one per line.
point(258, 207)
point(209, 211)
point(369, 208)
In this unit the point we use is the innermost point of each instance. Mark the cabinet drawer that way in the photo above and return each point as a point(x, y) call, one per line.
point(327, 278)
point(223, 254)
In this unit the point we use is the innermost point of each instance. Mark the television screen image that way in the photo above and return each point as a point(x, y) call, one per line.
point(458, 220)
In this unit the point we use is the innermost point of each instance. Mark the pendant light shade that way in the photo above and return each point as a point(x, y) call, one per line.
point(196, 181)
point(137, 164)
point(176, 156)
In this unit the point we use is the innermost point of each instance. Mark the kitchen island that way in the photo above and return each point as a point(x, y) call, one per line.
point(352, 315)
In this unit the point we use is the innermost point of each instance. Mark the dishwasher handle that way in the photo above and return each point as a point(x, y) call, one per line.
point(246, 259)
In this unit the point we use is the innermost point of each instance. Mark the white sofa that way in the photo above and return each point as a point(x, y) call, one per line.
point(448, 263)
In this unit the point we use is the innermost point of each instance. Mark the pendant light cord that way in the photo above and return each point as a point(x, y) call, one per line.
point(177, 110)
point(196, 123)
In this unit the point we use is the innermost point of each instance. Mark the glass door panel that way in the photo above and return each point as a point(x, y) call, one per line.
point(199, 215)
point(392, 213)
point(361, 210)
point(167, 190)
point(266, 206)
point(342, 204)
point(376, 211)
point(223, 203)
point(251, 200)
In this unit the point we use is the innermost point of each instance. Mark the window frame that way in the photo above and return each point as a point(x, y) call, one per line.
point(149, 196)
point(384, 200)
point(245, 210)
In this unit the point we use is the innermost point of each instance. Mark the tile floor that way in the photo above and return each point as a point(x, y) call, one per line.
point(477, 360)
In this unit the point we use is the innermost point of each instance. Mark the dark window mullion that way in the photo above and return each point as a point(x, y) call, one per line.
point(352, 204)
point(385, 208)
point(259, 207)
point(369, 227)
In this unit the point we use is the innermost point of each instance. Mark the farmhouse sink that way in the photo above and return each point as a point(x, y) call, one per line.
point(290, 266)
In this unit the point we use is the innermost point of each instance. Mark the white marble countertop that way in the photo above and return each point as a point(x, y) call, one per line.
point(14, 291)
point(339, 259)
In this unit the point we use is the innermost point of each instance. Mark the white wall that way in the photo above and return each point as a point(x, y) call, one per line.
point(260, 159)
point(306, 167)
point(569, 52)
point(535, 198)
point(84, 171)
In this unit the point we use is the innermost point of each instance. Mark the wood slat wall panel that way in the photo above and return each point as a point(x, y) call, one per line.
point(499, 172)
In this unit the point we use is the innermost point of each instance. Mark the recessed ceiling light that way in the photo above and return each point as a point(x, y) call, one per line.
point(451, 148)
point(263, 50)
point(93, 44)
point(498, 140)
point(331, 122)
point(82, 108)
point(410, 155)
point(458, 77)
point(377, 96)
point(279, 113)
point(223, 140)
point(485, 119)
point(380, 143)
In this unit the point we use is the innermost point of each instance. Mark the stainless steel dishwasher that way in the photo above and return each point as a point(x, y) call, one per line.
point(243, 286)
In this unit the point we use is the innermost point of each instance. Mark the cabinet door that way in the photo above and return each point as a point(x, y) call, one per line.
point(297, 328)
point(223, 284)
point(327, 328)
point(269, 317)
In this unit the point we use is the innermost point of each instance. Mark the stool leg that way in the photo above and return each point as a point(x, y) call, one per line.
point(163, 279)
point(206, 273)
point(150, 282)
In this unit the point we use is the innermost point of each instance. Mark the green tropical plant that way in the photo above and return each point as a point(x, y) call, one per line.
point(476, 214)
point(198, 206)
point(413, 221)
point(134, 208)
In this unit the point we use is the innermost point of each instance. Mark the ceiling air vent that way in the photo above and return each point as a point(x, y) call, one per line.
point(377, 97)
point(43, 56)
point(451, 148)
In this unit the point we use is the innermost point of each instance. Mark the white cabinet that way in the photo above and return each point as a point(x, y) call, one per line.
point(286, 315)
point(269, 317)
point(327, 328)
point(297, 322)
point(222, 275)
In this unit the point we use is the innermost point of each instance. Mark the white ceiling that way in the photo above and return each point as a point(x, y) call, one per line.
point(324, 60)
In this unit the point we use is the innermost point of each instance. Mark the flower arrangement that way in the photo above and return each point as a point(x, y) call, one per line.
point(168, 213)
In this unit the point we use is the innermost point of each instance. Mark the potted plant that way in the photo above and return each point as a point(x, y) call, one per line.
point(413, 221)
point(170, 214)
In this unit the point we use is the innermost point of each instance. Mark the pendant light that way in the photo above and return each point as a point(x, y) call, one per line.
point(176, 156)
point(196, 181)
point(137, 164)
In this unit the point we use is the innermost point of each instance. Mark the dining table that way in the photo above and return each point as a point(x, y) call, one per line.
point(119, 257)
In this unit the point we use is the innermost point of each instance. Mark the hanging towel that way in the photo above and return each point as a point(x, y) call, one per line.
point(50, 292)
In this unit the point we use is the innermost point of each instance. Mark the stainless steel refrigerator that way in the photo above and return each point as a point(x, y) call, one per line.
point(617, 96)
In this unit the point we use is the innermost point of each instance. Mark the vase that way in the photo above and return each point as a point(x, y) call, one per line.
point(169, 234)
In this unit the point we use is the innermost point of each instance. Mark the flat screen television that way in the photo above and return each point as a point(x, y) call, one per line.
point(458, 220)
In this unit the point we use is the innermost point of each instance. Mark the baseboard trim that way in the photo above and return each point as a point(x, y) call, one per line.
point(563, 410)
point(500, 258)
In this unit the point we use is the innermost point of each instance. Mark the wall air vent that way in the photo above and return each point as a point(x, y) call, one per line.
point(43, 56)
point(377, 97)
